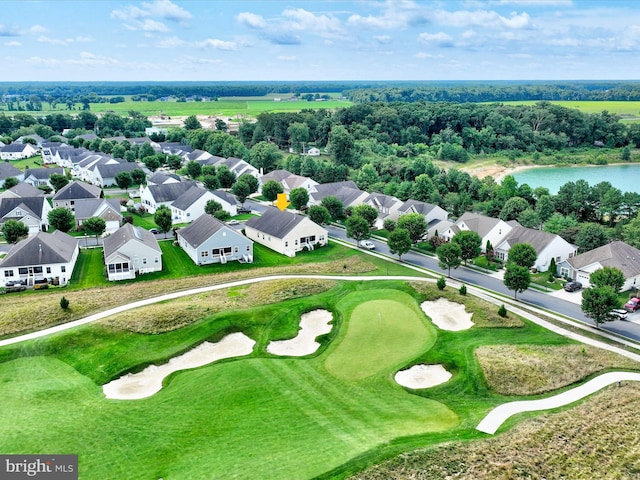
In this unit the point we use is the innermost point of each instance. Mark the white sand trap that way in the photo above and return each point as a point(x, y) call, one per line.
point(149, 381)
point(422, 376)
point(312, 324)
point(448, 315)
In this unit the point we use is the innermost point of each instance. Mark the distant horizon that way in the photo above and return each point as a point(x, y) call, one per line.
point(313, 40)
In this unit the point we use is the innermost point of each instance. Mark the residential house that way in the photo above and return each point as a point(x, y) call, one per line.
point(7, 170)
point(17, 151)
point(387, 206)
point(239, 166)
point(435, 216)
point(39, 177)
point(32, 211)
point(104, 175)
point(84, 167)
point(437, 228)
point(190, 205)
point(313, 152)
point(208, 240)
point(289, 181)
point(24, 139)
point(160, 178)
point(131, 251)
point(547, 246)
point(285, 232)
point(22, 190)
point(107, 209)
point(200, 156)
point(68, 195)
point(152, 196)
point(615, 254)
point(347, 192)
point(490, 229)
point(44, 256)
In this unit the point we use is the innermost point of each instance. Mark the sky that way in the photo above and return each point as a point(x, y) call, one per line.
point(231, 40)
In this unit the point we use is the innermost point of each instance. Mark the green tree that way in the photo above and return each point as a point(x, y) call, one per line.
point(369, 213)
point(523, 255)
point(222, 215)
point(516, 278)
point(241, 190)
point(319, 214)
point(271, 189)
point(250, 181)
point(415, 224)
point(226, 178)
point(342, 146)
point(357, 228)
point(64, 303)
point(163, 220)
point(557, 223)
point(61, 219)
point(124, 180)
point(529, 218)
point(94, 226)
point(448, 256)
point(470, 244)
point(399, 242)
point(590, 236)
point(334, 207)
point(513, 208)
point(14, 231)
point(58, 181)
point(10, 182)
point(194, 169)
point(607, 277)
point(192, 123)
point(211, 207)
point(544, 207)
point(299, 134)
point(299, 197)
point(211, 182)
point(597, 303)
point(138, 177)
point(441, 283)
point(265, 156)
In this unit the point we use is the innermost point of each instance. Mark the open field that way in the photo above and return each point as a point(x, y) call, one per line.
point(626, 110)
point(262, 416)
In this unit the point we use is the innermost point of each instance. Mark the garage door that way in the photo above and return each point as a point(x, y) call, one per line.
point(583, 279)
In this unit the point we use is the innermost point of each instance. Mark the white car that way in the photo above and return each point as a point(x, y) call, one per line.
point(368, 244)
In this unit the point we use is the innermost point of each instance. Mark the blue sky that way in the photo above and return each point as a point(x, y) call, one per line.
point(164, 40)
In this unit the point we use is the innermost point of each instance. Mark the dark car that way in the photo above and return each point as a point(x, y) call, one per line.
point(572, 286)
point(244, 210)
point(632, 305)
point(155, 231)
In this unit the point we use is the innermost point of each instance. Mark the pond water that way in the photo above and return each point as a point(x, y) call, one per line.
point(624, 177)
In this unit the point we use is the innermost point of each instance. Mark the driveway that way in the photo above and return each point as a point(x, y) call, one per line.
point(574, 297)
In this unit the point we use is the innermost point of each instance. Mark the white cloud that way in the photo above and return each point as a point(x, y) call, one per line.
point(168, 10)
point(395, 14)
point(382, 39)
point(13, 43)
point(543, 3)
point(35, 29)
point(439, 39)
point(218, 44)
point(426, 55)
point(303, 20)
point(137, 18)
point(63, 41)
point(171, 42)
point(43, 62)
point(149, 25)
point(483, 18)
point(88, 58)
point(519, 55)
point(251, 20)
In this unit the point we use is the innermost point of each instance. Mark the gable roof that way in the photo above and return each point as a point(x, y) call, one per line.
point(481, 224)
point(26, 190)
point(76, 190)
point(538, 239)
point(615, 254)
point(126, 233)
point(420, 207)
point(8, 170)
point(169, 192)
point(42, 173)
point(41, 249)
point(32, 205)
point(189, 197)
point(159, 178)
point(111, 170)
point(230, 198)
point(380, 200)
point(202, 229)
point(88, 207)
point(277, 175)
point(275, 222)
point(16, 147)
point(344, 192)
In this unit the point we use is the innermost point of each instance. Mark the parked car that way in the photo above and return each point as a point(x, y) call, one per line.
point(40, 284)
point(233, 222)
point(155, 231)
point(244, 210)
point(619, 313)
point(572, 286)
point(14, 287)
point(367, 244)
point(632, 305)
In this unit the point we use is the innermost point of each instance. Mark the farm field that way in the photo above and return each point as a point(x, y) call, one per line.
point(263, 416)
point(626, 110)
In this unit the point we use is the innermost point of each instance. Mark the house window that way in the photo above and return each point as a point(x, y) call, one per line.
point(248, 248)
point(564, 272)
point(23, 270)
point(236, 250)
point(204, 253)
point(144, 261)
point(63, 268)
point(286, 244)
point(8, 273)
point(156, 260)
point(322, 238)
point(48, 269)
point(37, 269)
point(557, 259)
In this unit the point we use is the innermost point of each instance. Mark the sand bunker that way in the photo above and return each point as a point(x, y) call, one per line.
point(422, 376)
point(149, 381)
point(447, 315)
point(312, 324)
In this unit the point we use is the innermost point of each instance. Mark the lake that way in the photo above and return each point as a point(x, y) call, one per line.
point(624, 177)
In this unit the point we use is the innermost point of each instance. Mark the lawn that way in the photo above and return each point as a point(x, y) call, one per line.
point(627, 110)
point(31, 162)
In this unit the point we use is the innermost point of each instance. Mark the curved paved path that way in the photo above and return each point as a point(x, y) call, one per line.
point(496, 417)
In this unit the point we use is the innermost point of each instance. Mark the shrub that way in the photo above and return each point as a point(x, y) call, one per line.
point(441, 283)
point(141, 210)
point(463, 289)
point(552, 278)
point(502, 311)
point(64, 303)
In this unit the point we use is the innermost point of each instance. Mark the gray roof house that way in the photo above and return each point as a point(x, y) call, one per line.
point(347, 192)
point(289, 181)
point(73, 191)
point(160, 178)
point(152, 196)
point(130, 251)
point(104, 175)
point(50, 256)
point(208, 240)
point(490, 229)
point(7, 170)
point(285, 232)
point(428, 210)
point(191, 204)
point(615, 254)
point(32, 211)
point(107, 209)
point(22, 190)
point(17, 151)
point(387, 206)
point(40, 176)
point(547, 245)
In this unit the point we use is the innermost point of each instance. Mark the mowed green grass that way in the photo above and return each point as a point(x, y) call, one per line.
point(629, 109)
point(255, 418)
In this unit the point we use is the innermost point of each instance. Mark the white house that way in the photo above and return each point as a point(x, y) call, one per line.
point(490, 229)
point(104, 174)
point(44, 256)
point(190, 205)
point(387, 206)
point(289, 181)
point(615, 254)
point(39, 177)
point(130, 251)
point(22, 190)
point(430, 211)
point(7, 170)
point(107, 209)
point(547, 245)
point(32, 211)
point(160, 178)
point(285, 232)
point(347, 192)
point(208, 240)
point(73, 191)
point(152, 196)
point(17, 151)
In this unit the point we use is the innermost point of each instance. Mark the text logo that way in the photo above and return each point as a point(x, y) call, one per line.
point(45, 467)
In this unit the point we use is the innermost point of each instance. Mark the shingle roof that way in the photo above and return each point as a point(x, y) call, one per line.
point(420, 207)
point(226, 196)
point(14, 147)
point(41, 249)
point(615, 254)
point(88, 207)
point(76, 190)
point(8, 170)
point(126, 233)
point(170, 191)
point(481, 224)
point(33, 205)
point(275, 222)
point(26, 190)
point(382, 200)
point(159, 178)
point(536, 238)
point(188, 198)
point(111, 170)
point(277, 175)
point(42, 173)
point(346, 192)
point(202, 229)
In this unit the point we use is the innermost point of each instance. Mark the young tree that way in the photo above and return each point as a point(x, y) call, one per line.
point(241, 191)
point(192, 123)
point(389, 225)
point(94, 226)
point(58, 181)
point(14, 231)
point(516, 278)
point(271, 189)
point(124, 180)
point(61, 219)
point(319, 214)
point(226, 178)
point(334, 206)
point(211, 207)
point(399, 242)
point(138, 177)
point(357, 228)
point(597, 303)
point(448, 256)
point(299, 197)
point(251, 181)
point(10, 182)
point(222, 215)
point(415, 224)
point(470, 243)
point(608, 277)
point(194, 169)
point(163, 220)
point(522, 254)
point(369, 213)
point(211, 182)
